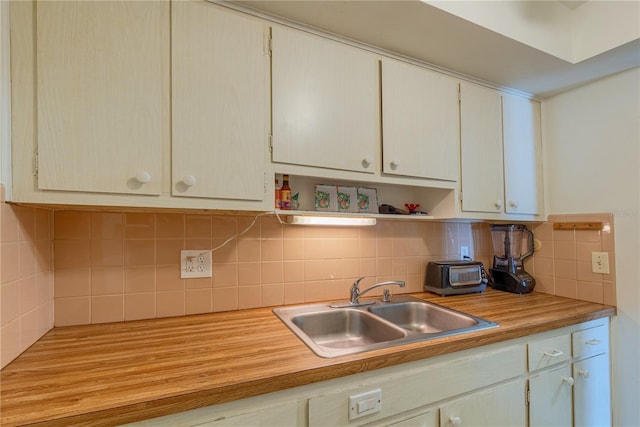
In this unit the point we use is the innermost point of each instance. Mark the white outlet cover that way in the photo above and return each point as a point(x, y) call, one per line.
point(196, 263)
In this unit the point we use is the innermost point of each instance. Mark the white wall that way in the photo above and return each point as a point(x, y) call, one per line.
point(592, 164)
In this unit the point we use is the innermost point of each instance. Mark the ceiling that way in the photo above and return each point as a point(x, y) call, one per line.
point(430, 34)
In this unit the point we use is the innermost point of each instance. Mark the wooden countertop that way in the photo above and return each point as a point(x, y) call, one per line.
point(122, 372)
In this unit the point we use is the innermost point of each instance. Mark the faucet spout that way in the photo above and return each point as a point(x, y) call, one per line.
point(356, 293)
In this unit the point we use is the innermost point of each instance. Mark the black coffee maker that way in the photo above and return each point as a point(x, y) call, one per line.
point(512, 243)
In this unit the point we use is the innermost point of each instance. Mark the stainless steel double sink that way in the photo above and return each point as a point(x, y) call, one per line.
point(332, 331)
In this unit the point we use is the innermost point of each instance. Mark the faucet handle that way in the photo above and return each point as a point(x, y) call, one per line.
point(356, 283)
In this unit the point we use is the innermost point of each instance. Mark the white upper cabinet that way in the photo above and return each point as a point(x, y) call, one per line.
point(420, 122)
point(325, 101)
point(522, 155)
point(481, 149)
point(220, 75)
point(100, 95)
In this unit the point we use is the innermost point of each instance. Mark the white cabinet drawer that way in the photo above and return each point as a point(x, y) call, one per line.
point(591, 342)
point(548, 352)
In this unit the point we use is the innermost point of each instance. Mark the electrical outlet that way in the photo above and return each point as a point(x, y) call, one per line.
point(600, 262)
point(464, 252)
point(195, 264)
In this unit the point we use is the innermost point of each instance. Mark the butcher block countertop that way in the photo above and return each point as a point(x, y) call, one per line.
point(114, 373)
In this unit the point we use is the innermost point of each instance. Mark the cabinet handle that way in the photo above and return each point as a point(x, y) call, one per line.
point(554, 353)
point(498, 204)
point(143, 177)
point(584, 373)
point(366, 162)
point(513, 204)
point(189, 180)
point(568, 380)
point(593, 342)
point(455, 421)
point(395, 164)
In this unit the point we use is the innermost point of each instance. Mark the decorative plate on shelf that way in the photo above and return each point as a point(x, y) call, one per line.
point(347, 199)
point(326, 197)
point(367, 200)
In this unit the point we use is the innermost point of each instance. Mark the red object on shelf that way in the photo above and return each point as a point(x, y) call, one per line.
point(411, 207)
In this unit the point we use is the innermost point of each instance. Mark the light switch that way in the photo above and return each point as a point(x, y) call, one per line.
point(364, 404)
point(600, 262)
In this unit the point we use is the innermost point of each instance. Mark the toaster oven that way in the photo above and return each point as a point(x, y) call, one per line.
point(455, 277)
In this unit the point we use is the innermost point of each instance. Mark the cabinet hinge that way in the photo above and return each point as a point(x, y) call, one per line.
point(269, 43)
point(527, 397)
point(270, 142)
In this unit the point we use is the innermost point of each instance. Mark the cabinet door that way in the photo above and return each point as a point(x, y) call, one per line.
point(220, 83)
point(325, 100)
point(592, 392)
point(102, 87)
point(550, 398)
point(481, 149)
point(420, 122)
point(499, 406)
point(522, 155)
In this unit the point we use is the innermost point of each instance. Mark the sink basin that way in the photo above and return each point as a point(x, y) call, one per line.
point(423, 317)
point(345, 328)
point(332, 332)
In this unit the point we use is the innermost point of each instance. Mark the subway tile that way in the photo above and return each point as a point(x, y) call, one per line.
point(225, 299)
point(398, 247)
point(8, 223)
point(368, 267)
point(170, 303)
point(72, 225)
point(328, 269)
point(26, 223)
point(249, 296)
point(198, 227)
point(224, 227)
point(9, 302)
point(225, 275)
point(72, 311)
point(107, 308)
point(139, 225)
point(44, 250)
point(545, 250)
point(564, 235)
point(350, 268)
point(314, 291)
point(43, 220)
point(198, 301)
point(270, 228)
point(584, 249)
point(249, 273)
point(566, 287)
point(197, 244)
point(168, 278)
point(384, 267)
point(198, 283)
point(565, 269)
point(44, 287)
point(585, 273)
point(293, 271)
point(27, 258)
point(590, 291)
point(609, 293)
point(271, 250)
point(293, 249)
point(272, 294)
point(169, 226)
point(10, 337)
point(107, 253)
point(249, 250)
point(543, 231)
point(139, 279)
point(588, 236)
point(44, 314)
point(73, 282)
point(272, 272)
point(107, 281)
point(107, 225)
point(542, 266)
point(339, 290)
point(350, 248)
point(384, 247)
point(140, 306)
point(28, 294)
point(294, 293)
point(250, 226)
point(563, 249)
point(71, 253)
point(224, 251)
point(28, 329)
point(399, 266)
point(10, 261)
point(368, 248)
point(168, 251)
point(139, 252)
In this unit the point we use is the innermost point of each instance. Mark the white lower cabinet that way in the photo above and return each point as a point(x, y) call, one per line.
point(499, 406)
point(484, 386)
point(569, 384)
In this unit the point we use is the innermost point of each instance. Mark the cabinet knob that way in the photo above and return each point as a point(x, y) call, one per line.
point(568, 380)
point(189, 180)
point(395, 164)
point(455, 421)
point(584, 373)
point(367, 161)
point(513, 204)
point(498, 204)
point(143, 177)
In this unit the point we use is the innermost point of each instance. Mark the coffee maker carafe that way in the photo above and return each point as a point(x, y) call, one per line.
point(512, 243)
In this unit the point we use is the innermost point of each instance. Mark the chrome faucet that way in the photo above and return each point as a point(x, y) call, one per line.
point(356, 293)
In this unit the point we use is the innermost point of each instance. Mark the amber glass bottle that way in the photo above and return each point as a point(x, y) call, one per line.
point(285, 193)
